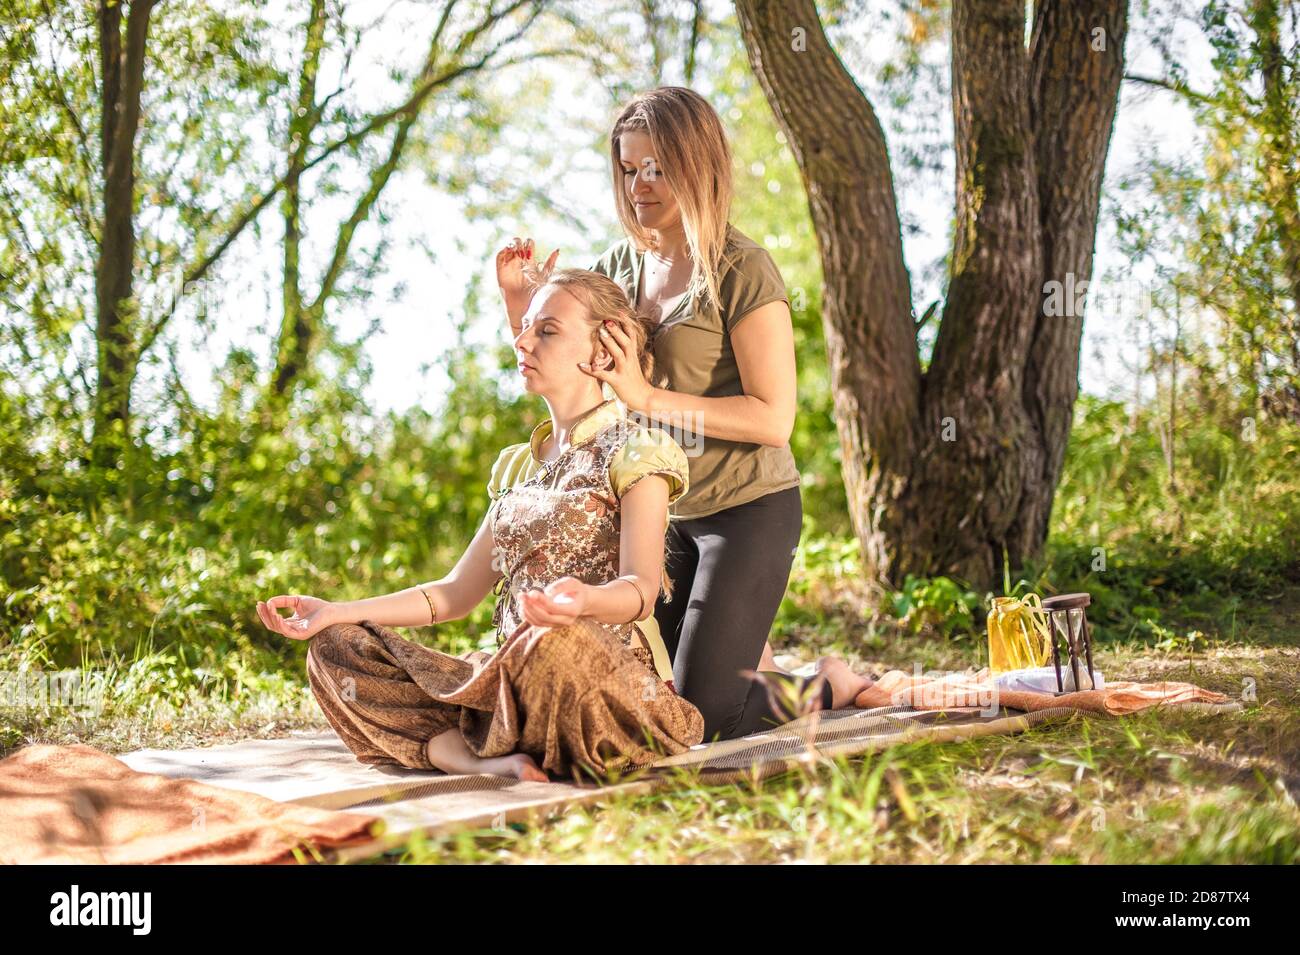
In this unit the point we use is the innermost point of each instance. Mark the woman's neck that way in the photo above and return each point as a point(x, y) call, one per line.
point(565, 411)
point(672, 243)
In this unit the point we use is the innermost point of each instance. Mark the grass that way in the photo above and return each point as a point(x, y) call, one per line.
point(1152, 787)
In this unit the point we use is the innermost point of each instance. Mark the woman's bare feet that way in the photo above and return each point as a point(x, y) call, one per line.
point(521, 766)
point(845, 684)
point(449, 752)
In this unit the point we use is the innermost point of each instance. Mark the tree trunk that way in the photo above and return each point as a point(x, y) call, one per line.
point(840, 149)
point(122, 69)
point(946, 468)
point(1074, 95)
point(295, 329)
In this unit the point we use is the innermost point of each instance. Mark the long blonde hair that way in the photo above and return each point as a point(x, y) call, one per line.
point(690, 143)
point(604, 300)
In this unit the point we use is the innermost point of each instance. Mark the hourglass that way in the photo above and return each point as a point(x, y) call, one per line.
point(1066, 618)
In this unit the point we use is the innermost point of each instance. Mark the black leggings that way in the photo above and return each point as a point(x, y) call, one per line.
point(729, 573)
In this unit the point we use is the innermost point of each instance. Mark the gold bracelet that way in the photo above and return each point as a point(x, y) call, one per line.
point(639, 594)
point(432, 612)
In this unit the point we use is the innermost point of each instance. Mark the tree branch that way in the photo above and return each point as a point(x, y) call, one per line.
point(1174, 86)
point(376, 123)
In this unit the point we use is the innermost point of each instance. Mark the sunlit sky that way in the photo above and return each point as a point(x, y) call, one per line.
point(435, 250)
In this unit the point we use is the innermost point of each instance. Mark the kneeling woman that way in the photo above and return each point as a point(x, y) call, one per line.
point(581, 682)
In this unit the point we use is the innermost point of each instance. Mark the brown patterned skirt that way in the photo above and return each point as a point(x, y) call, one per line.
point(575, 698)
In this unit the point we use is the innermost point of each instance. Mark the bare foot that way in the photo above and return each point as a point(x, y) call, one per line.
point(845, 684)
point(519, 765)
point(449, 752)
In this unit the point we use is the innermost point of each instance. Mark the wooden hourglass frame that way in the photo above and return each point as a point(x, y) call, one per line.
point(1067, 618)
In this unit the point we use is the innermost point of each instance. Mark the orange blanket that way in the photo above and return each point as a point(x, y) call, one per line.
point(899, 688)
point(76, 804)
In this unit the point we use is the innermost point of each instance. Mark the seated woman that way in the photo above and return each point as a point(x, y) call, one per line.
point(580, 682)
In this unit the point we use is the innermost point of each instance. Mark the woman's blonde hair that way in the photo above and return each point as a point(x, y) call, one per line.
point(604, 300)
point(691, 152)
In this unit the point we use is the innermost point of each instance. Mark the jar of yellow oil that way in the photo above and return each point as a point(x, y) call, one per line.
point(1018, 634)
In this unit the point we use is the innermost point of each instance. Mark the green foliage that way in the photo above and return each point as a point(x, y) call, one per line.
point(824, 569)
point(159, 563)
point(1166, 568)
point(940, 603)
point(1225, 536)
point(1179, 515)
point(328, 501)
point(1221, 223)
point(197, 158)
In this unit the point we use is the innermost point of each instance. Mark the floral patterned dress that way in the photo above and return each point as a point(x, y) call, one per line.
point(583, 699)
point(561, 518)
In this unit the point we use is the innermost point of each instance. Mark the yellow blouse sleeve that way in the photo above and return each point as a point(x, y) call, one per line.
point(650, 451)
point(511, 467)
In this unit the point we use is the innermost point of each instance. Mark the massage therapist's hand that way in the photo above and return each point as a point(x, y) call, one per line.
point(624, 371)
point(510, 275)
point(562, 602)
point(310, 615)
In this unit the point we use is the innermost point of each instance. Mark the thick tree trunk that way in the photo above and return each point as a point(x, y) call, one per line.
point(946, 469)
point(1074, 90)
point(122, 68)
point(970, 474)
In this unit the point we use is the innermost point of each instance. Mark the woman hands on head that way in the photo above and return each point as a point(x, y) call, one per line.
point(310, 615)
point(625, 372)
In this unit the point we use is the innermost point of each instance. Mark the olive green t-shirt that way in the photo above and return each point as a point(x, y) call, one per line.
point(693, 355)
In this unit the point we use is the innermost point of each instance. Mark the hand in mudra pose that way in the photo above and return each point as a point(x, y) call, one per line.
point(561, 603)
point(310, 615)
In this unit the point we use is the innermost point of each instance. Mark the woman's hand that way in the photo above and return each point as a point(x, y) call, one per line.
point(624, 375)
point(310, 616)
point(510, 274)
point(561, 603)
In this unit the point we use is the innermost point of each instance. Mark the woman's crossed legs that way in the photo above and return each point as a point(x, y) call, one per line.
point(562, 700)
